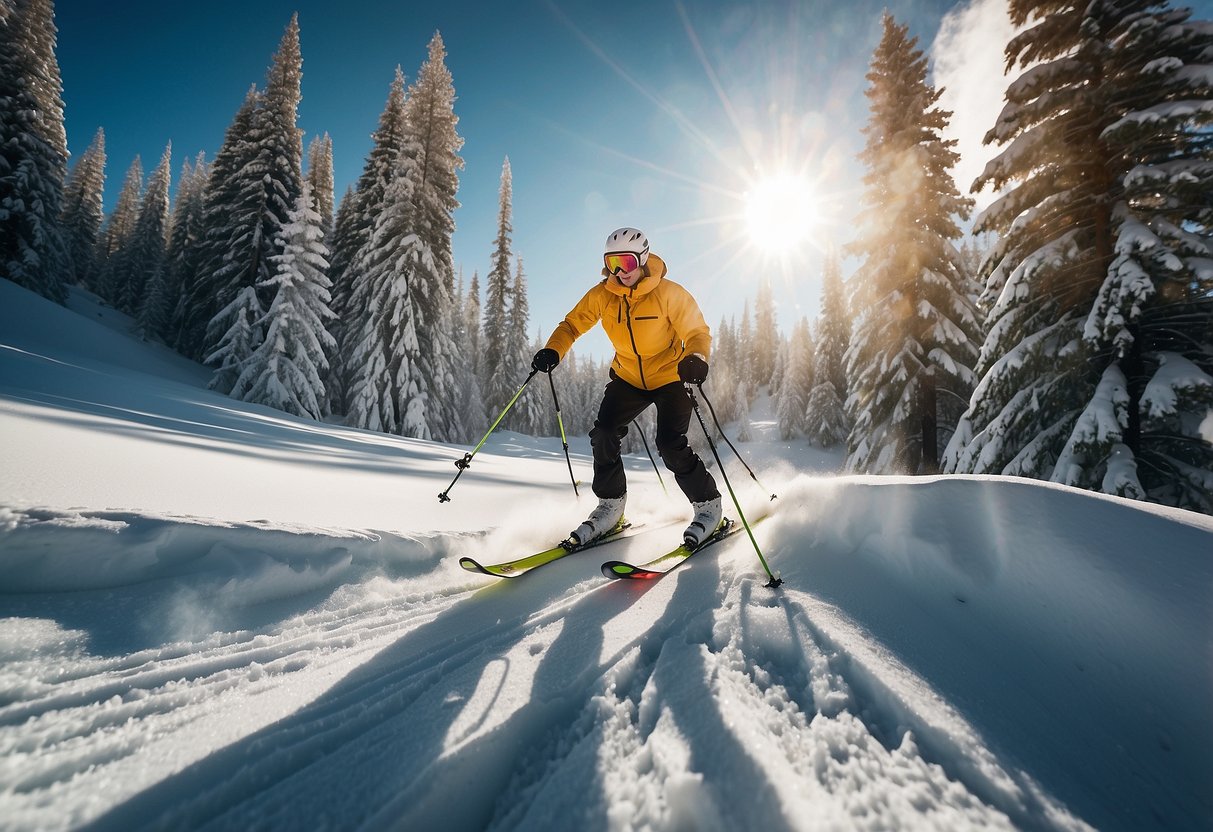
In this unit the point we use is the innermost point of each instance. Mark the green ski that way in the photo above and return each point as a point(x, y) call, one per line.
point(520, 566)
point(670, 560)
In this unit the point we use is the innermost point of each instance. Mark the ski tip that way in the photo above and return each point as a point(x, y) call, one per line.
point(618, 569)
point(496, 571)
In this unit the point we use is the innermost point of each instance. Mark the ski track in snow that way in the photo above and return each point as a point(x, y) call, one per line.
point(571, 699)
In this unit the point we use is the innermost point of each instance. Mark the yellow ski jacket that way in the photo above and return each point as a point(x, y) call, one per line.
point(652, 326)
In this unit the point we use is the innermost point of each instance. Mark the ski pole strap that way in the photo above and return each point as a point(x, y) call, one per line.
point(463, 463)
point(775, 579)
point(563, 440)
point(716, 422)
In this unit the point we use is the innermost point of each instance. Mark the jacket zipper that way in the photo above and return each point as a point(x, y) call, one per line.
point(632, 335)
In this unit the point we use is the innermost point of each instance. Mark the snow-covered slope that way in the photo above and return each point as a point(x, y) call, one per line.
point(213, 613)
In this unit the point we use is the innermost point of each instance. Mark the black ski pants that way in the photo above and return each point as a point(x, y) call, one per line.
point(621, 403)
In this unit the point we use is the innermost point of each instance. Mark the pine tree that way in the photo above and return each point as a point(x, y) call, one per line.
point(241, 339)
point(528, 414)
point(793, 401)
point(265, 191)
point(430, 116)
point(34, 251)
point(229, 203)
point(83, 211)
point(119, 231)
point(432, 146)
point(320, 178)
point(185, 241)
point(1096, 370)
point(915, 334)
point(145, 285)
point(471, 328)
point(351, 235)
point(826, 421)
point(766, 335)
point(498, 383)
point(285, 370)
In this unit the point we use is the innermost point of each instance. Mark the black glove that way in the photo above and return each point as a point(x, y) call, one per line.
point(545, 360)
point(693, 370)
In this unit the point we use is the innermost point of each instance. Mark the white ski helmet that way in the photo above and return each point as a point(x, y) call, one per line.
point(631, 240)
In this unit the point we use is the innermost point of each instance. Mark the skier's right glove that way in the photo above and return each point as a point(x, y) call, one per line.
point(545, 361)
point(693, 369)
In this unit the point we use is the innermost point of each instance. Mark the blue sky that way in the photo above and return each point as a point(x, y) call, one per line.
point(660, 115)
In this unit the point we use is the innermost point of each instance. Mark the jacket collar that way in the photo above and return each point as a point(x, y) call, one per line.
point(655, 271)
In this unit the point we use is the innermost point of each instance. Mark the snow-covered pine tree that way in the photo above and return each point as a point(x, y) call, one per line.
point(916, 330)
point(320, 178)
point(531, 414)
point(471, 329)
point(351, 235)
point(765, 339)
point(34, 252)
point(499, 380)
point(826, 421)
point(433, 144)
point(792, 404)
point(117, 236)
point(146, 293)
point(229, 203)
point(1096, 368)
point(239, 341)
point(746, 364)
point(430, 114)
point(285, 371)
point(185, 240)
point(83, 210)
point(266, 190)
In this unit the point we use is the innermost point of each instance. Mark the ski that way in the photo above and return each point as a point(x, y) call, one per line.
point(671, 560)
point(520, 566)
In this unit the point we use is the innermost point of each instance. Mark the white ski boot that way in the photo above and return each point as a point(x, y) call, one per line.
point(706, 520)
point(602, 519)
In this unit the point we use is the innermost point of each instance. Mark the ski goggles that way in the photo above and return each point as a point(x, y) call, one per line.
point(621, 261)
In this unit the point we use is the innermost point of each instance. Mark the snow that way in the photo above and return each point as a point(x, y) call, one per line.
point(215, 613)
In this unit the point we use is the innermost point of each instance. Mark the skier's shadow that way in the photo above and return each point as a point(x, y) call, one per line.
point(374, 748)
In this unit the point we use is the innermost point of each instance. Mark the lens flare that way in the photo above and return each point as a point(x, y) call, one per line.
point(780, 212)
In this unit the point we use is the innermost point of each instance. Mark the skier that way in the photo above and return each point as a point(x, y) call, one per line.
point(661, 344)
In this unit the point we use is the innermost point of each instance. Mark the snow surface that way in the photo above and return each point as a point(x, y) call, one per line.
point(215, 614)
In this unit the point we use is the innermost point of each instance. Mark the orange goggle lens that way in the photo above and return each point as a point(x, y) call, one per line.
point(624, 261)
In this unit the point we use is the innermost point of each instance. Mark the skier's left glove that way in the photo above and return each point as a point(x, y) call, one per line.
point(545, 360)
point(693, 369)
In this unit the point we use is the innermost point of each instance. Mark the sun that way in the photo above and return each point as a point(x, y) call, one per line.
point(780, 212)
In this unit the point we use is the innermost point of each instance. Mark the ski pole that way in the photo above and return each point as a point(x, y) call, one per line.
point(775, 579)
point(563, 440)
point(726, 439)
point(462, 464)
point(660, 478)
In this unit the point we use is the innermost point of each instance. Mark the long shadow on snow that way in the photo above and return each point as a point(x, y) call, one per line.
point(374, 747)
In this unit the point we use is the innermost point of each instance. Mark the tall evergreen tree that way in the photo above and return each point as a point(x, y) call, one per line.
point(826, 421)
point(320, 179)
point(430, 115)
point(766, 334)
point(793, 396)
point(83, 210)
point(528, 416)
point(351, 234)
point(34, 251)
point(285, 371)
point(471, 328)
point(916, 329)
point(267, 189)
point(146, 292)
point(229, 204)
point(497, 381)
point(185, 240)
point(119, 231)
point(1096, 371)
